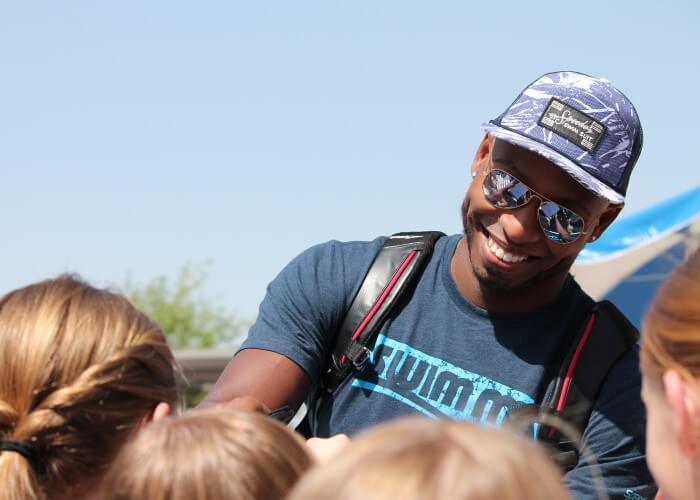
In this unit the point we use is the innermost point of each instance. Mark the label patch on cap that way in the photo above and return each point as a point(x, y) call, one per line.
point(572, 124)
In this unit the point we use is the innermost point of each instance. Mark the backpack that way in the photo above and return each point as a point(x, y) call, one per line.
point(599, 342)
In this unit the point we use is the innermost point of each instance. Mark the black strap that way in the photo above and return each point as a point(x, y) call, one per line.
point(394, 269)
point(603, 338)
point(610, 336)
point(27, 450)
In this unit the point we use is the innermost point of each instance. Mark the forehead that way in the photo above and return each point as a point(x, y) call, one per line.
point(544, 177)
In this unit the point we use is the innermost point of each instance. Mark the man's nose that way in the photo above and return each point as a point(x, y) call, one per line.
point(521, 225)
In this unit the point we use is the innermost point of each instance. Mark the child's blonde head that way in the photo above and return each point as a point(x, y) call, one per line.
point(80, 369)
point(209, 454)
point(418, 458)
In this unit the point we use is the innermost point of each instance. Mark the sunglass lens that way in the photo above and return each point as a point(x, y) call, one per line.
point(560, 224)
point(505, 191)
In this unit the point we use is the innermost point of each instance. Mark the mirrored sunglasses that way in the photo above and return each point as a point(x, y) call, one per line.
point(559, 224)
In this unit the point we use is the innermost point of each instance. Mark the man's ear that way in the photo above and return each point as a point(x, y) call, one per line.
point(482, 154)
point(686, 411)
point(605, 219)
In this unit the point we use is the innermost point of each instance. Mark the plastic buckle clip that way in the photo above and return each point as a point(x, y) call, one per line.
point(359, 360)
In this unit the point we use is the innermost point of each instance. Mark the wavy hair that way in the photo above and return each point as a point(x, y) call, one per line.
point(80, 369)
point(417, 458)
point(212, 454)
point(671, 328)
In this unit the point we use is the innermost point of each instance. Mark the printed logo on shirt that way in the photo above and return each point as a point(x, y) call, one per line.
point(435, 387)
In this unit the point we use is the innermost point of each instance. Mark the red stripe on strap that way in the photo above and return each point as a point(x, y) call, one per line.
point(382, 298)
point(574, 361)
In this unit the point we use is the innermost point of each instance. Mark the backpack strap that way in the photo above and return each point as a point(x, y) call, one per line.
point(603, 338)
point(606, 335)
point(391, 274)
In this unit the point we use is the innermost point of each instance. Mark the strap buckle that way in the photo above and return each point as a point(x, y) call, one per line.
point(358, 355)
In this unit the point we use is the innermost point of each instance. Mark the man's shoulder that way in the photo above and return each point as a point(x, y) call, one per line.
point(614, 323)
point(626, 368)
point(337, 249)
point(620, 391)
point(353, 253)
point(351, 245)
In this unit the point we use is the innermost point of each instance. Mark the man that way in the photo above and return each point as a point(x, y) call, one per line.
point(485, 327)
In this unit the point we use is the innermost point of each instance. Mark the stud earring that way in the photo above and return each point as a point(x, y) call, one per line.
point(473, 174)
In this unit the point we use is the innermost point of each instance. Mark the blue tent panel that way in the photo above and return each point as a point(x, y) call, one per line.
point(634, 294)
point(643, 227)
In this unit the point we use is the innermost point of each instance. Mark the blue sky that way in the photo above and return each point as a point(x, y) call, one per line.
point(138, 136)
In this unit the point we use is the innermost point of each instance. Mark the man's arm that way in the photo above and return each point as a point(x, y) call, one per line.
point(263, 377)
point(288, 346)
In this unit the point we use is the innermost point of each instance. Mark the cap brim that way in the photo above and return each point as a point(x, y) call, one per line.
point(579, 174)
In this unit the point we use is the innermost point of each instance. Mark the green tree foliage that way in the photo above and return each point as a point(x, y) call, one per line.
point(189, 320)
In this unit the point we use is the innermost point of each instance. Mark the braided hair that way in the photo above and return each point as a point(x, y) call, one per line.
point(80, 369)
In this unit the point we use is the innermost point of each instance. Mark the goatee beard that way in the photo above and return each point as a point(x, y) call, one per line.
point(493, 284)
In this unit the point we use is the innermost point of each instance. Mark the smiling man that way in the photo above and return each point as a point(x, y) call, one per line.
point(494, 311)
point(520, 242)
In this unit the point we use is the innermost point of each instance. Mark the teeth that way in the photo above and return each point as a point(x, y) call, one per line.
point(502, 254)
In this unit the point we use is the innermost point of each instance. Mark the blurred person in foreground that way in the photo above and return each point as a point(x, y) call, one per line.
point(418, 458)
point(494, 311)
point(671, 388)
point(81, 371)
point(212, 454)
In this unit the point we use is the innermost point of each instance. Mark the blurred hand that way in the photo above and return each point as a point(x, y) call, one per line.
point(324, 449)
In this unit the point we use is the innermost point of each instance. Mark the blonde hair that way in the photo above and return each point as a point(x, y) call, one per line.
point(209, 454)
point(671, 328)
point(80, 368)
point(417, 458)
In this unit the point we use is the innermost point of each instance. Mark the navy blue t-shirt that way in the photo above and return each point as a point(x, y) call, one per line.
point(440, 356)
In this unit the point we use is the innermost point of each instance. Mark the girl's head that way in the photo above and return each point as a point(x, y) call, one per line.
point(80, 369)
point(670, 361)
point(416, 458)
point(210, 454)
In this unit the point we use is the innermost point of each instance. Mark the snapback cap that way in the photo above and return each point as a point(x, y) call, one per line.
point(582, 124)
